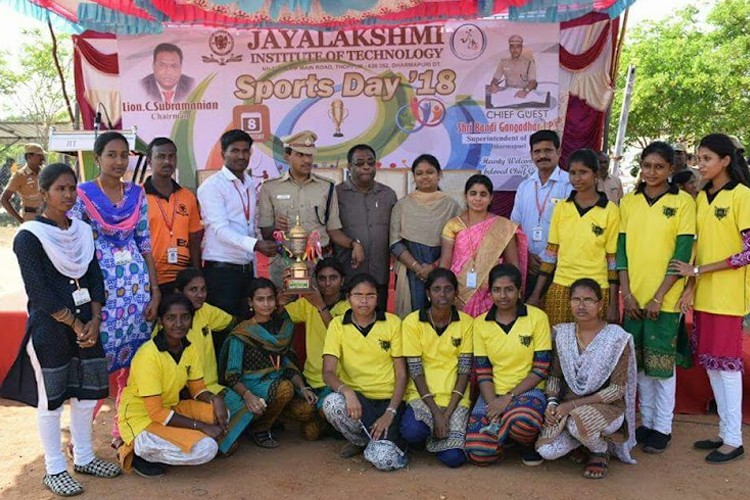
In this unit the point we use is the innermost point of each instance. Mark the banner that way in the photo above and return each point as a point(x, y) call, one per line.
point(469, 93)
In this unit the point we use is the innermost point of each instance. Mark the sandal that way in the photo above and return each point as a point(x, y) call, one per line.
point(265, 439)
point(597, 466)
point(578, 456)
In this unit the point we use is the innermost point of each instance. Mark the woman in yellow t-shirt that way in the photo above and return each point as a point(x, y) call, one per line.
point(718, 286)
point(364, 367)
point(209, 323)
point(582, 244)
point(316, 309)
point(512, 353)
point(438, 349)
point(157, 427)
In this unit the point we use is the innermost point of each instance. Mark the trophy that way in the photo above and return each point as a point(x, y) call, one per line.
point(298, 275)
point(338, 114)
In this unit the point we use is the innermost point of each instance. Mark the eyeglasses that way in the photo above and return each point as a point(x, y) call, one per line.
point(586, 301)
point(362, 162)
point(364, 296)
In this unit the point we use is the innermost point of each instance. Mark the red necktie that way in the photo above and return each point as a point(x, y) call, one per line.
point(168, 95)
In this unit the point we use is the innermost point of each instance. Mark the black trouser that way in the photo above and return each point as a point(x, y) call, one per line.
point(167, 288)
point(382, 297)
point(227, 286)
point(373, 409)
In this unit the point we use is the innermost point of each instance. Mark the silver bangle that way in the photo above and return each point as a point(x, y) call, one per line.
point(392, 410)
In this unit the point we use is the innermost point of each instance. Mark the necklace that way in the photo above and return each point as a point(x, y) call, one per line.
point(579, 341)
point(122, 191)
point(433, 322)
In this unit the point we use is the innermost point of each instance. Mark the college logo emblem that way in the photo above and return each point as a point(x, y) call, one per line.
point(205, 331)
point(721, 212)
point(669, 212)
point(456, 341)
point(385, 345)
point(525, 340)
point(221, 44)
point(468, 42)
point(597, 230)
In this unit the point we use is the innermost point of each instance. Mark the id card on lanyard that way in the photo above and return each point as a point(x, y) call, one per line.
point(81, 295)
point(245, 206)
point(538, 231)
point(172, 255)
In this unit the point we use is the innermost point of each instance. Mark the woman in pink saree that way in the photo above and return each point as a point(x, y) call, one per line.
point(477, 240)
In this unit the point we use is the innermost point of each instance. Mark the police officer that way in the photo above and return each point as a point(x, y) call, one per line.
point(25, 182)
point(299, 192)
point(517, 72)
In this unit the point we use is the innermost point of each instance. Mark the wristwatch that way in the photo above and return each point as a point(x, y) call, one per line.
point(696, 270)
point(392, 410)
point(351, 247)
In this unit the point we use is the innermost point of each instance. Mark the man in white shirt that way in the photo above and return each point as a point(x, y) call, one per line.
point(227, 202)
point(537, 195)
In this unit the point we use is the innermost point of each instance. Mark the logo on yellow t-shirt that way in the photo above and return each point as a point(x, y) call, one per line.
point(385, 345)
point(669, 212)
point(525, 340)
point(597, 229)
point(721, 212)
point(456, 341)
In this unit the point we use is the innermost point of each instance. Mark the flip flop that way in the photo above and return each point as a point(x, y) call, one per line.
point(597, 466)
point(265, 439)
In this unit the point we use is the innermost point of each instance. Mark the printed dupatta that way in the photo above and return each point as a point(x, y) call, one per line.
point(116, 223)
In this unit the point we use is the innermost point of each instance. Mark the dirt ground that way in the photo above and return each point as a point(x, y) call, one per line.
point(300, 469)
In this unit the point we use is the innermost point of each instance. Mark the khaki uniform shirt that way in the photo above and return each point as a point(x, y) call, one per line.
point(516, 73)
point(283, 196)
point(367, 217)
point(26, 183)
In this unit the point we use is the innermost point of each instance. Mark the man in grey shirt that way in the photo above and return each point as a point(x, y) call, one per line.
point(365, 211)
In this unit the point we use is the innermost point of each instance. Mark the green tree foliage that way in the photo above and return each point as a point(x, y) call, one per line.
point(691, 77)
point(31, 88)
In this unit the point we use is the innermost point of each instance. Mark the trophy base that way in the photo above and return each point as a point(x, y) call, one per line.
point(338, 134)
point(299, 285)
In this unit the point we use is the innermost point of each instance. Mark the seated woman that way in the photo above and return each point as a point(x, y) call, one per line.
point(362, 365)
point(475, 241)
point(316, 310)
point(259, 364)
point(208, 322)
point(512, 353)
point(157, 427)
point(591, 388)
point(437, 345)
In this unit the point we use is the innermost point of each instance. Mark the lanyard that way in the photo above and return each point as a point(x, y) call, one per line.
point(169, 223)
point(540, 208)
point(245, 207)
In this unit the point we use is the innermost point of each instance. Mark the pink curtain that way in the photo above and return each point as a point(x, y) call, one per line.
point(106, 63)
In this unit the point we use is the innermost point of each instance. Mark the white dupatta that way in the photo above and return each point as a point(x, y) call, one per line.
point(70, 251)
point(587, 372)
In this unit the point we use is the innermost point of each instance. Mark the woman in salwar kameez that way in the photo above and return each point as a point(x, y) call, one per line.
point(591, 388)
point(259, 364)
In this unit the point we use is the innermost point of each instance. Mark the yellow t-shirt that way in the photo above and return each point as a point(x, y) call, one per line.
point(153, 372)
point(650, 241)
point(719, 225)
point(207, 319)
point(366, 362)
point(302, 311)
point(439, 353)
point(512, 354)
point(586, 244)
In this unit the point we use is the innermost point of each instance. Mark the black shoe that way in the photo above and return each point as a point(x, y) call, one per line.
point(642, 434)
point(708, 444)
point(144, 468)
point(717, 457)
point(531, 458)
point(657, 442)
